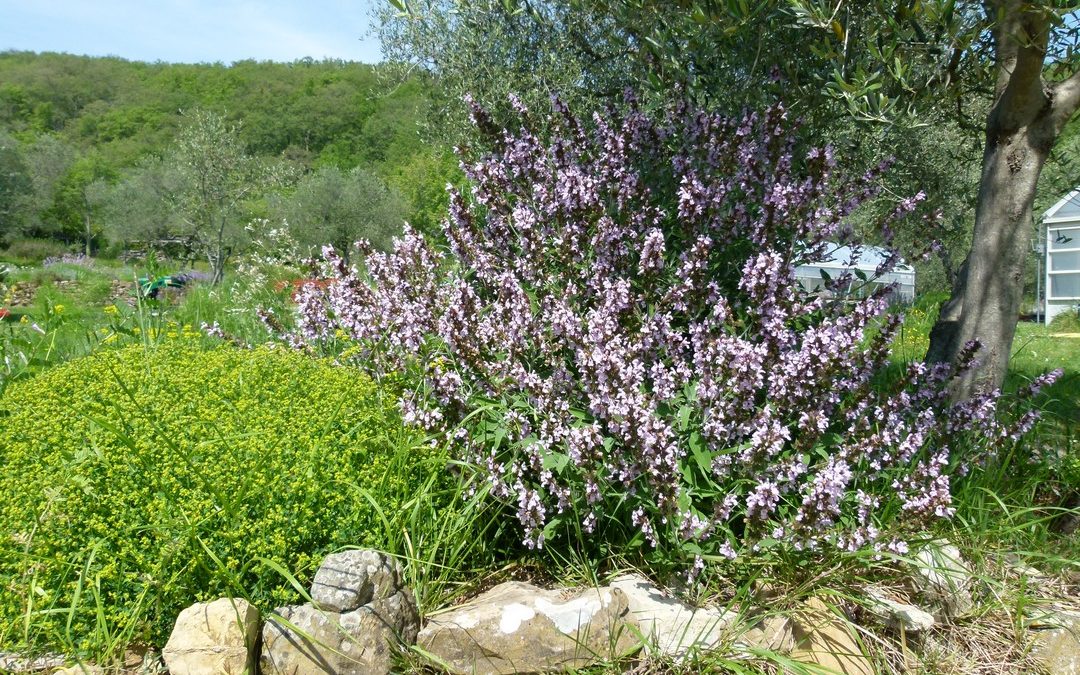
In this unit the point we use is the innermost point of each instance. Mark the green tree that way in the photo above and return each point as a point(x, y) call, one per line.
point(80, 196)
point(218, 178)
point(422, 183)
point(335, 207)
point(14, 185)
point(490, 48)
point(49, 159)
point(139, 207)
point(1004, 69)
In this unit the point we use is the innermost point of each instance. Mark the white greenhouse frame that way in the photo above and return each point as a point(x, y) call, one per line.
point(870, 257)
point(1061, 227)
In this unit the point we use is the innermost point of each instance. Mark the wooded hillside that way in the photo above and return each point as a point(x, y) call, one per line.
point(69, 121)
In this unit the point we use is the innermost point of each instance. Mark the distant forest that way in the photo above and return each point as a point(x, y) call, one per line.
point(79, 136)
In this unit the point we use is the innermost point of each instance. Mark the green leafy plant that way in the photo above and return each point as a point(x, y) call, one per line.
point(139, 480)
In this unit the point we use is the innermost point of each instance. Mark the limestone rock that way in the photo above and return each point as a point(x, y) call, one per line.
point(943, 579)
point(348, 580)
point(666, 625)
point(80, 669)
point(12, 662)
point(304, 640)
point(898, 615)
point(1017, 566)
point(358, 614)
point(517, 627)
point(1057, 642)
point(825, 639)
point(214, 637)
point(774, 633)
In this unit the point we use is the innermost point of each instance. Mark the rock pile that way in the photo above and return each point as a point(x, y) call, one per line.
point(361, 614)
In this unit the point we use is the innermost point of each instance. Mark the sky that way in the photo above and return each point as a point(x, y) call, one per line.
point(193, 31)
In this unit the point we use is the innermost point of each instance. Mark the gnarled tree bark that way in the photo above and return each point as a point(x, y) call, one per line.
point(1026, 119)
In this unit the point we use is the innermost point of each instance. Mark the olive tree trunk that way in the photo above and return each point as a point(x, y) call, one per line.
point(1027, 117)
point(88, 232)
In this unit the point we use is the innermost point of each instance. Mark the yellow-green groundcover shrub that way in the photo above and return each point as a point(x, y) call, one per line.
point(134, 482)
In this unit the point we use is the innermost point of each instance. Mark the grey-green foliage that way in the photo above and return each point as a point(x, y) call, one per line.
point(489, 49)
point(48, 160)
point(726, 54)
point(941, 160)
point(590, 51)
point(138, 208)
point(14, 184)
point(331, 206)
point(218, 178)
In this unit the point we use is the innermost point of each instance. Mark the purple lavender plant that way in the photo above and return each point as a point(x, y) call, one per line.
point(80, 259)
point(616, 336)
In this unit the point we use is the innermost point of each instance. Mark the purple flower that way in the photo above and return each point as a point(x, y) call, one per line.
point(615, 323)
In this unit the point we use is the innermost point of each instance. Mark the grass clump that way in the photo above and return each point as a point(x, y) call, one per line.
point(137, 481)
point(1066, 322)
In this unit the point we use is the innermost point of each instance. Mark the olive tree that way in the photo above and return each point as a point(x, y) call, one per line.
point(139, 207)
point(335, 207)
point(1004, 71)
point(218, 178)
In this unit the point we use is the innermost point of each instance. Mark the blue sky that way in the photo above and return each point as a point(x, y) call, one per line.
point(193, 31)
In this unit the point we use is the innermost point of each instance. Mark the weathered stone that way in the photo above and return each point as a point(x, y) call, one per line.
point(80, 669)
point(898, 615)
point(1057, 642)
point(144, 659)
point(304, 640)
point(214, 637)
point(823, 638)
point(667, 626)
point(517, 627)
point(12, 662)
point(943, 580)
point(773, 633)
point(348, 580)
point(1020, 568)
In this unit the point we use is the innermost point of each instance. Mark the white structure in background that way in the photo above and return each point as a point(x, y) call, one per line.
point(1062, 223)
point(870, 257)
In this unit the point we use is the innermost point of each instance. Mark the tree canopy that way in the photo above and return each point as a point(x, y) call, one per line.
point(82, 139)
point(1000, 76)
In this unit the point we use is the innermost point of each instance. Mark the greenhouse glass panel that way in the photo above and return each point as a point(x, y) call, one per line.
point(1064, 286)
point(1065, 261)
point(1061, 237)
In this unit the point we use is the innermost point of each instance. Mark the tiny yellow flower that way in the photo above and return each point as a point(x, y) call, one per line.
point(111, 309)
point(58, 309)
point(24, 319)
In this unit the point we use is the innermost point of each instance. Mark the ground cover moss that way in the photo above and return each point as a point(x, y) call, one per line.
point(137, 481)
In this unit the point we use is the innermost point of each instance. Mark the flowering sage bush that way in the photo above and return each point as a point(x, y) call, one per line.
point(616, 338)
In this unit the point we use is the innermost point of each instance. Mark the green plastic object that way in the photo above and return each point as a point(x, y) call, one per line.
point(150, 287)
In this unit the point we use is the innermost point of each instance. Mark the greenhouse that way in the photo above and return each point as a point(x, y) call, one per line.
point(1062, 275)
point(869, 258)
